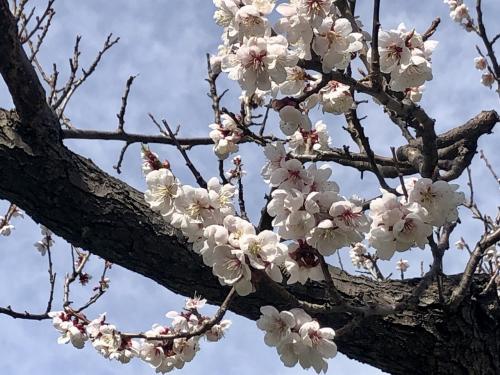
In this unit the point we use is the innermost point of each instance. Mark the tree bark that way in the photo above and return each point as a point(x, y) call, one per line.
point(95, 211)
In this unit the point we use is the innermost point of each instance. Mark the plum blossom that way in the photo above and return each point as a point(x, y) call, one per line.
point(276, 155)
point(303, 264)
point(336, 98)
point(335, 43)
point(393, 50)
point(402, 265)
point(397, 227)
point(304, 142)
point(293, 119)
point(71, 328)
point(218, 330)
point(460, 244)
point(249, 22)
point(439, 198)
point(258, 61)
point(480, 63)
point(261, 249)
point(297, 338)
point(226, 136)
point(414, 94)
point(406, 57)
point(319, 342)
point(6, 229)
point(226, 11)
point(195, 303)
point(487, 79)
point(313, 10)
point(46, 242)
point(163, 188)
point(297, 28)
point(277, 325)
point(231, 268)
point(297, 79)
point(291, 175)
point(357, 254)
point(151, 161)
point(413, 74)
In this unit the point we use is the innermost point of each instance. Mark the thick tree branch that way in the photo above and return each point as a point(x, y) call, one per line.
point(23, 84)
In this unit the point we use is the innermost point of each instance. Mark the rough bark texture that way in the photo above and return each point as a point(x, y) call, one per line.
point(97, 212)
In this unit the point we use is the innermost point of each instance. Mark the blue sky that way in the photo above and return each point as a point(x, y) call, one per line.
point(165, 41)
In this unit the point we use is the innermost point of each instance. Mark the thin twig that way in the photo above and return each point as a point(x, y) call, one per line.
point(489, 166)
point(199, 179)
point(71, 278)
point(400, 175)
point(205, 327)
point(486, 241)
point(375, 64)
point(121, 114)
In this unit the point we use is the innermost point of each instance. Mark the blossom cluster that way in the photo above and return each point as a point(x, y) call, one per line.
point(459, 12)
point(6, 226)
point(163, 347)
point(310, 216)
point(399, 223)
point(46, 242)
point(487, 77)
point(267, 60)
point(407, 58)
point(297, 338)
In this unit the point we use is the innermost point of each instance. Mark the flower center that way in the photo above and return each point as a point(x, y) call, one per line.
point(255, 248)
point(256, 61)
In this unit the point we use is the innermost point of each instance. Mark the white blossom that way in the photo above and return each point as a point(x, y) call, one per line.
point(480, 63)
point(258, 61)
point(71, 329)
point(292, 120)
point(336, 98)
point(276, 156)
point(291, 175)
point(6, 229)
point(439, 198)
point(335, 42)
point(307, 142)
point(163, 188)
point(302, 264)
point(487, 79)
point(277, 325)
point(397, 227)
point(402, 265)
